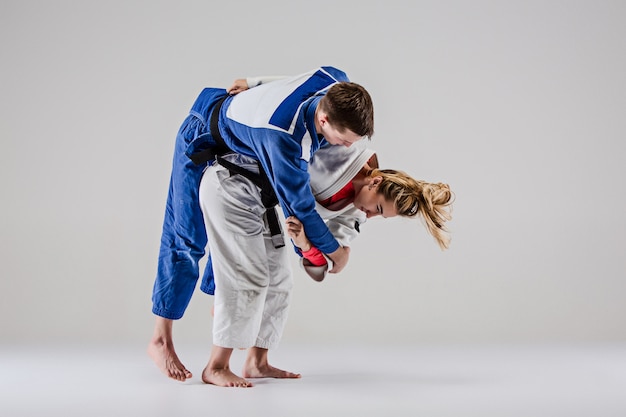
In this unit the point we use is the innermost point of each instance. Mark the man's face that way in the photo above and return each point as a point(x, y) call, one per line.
point(334, 137)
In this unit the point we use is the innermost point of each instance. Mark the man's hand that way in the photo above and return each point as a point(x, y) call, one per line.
point(339, 258)
point(238, 86)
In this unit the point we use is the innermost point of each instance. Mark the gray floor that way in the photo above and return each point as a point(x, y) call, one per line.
point(528, 381)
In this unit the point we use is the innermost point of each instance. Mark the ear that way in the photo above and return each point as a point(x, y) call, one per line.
point(322, 118)
point(375, 182)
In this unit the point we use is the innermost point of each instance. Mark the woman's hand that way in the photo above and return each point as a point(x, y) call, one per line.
point(296, 233)
point(238, 86)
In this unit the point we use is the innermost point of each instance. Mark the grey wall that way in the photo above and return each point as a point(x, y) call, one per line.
point(518, 105)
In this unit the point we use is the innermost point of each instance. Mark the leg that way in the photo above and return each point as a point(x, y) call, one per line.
point(274, 316)
point(233, 215)
point(182, 245)
point(183, 239)
point(217, 371)
point(161, 350)
point(234, 220)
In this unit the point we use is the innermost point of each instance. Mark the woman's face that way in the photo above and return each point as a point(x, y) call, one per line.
point(373, 204)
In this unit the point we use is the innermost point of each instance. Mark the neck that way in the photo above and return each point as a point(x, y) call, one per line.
point(361, 178)
point(318, 127)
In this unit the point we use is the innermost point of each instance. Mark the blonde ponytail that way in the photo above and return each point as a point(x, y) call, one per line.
point(432, 201)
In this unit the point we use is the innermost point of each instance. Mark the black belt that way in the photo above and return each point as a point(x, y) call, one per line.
point(268, 196)
point(220, 148)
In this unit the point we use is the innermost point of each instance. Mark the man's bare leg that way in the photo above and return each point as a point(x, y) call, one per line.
point(257, 366)
point(217, 371)
point(161, 350)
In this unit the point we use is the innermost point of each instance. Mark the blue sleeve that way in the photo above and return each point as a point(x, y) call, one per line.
point(290, 179)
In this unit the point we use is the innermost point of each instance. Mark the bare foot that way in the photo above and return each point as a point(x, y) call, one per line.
point(266, 371)
point(164, 356)
point(257, 366)
point(223, 377)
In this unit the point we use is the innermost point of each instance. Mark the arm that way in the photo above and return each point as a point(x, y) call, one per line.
point(314, 263)
point(242, 84)
point(344, 227)
point(258, 131)
point(297, 235)
point(291, 183)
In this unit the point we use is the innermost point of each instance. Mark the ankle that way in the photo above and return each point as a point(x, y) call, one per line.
point(218, 367)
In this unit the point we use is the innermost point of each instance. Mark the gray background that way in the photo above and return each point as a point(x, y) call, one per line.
point(518, 105)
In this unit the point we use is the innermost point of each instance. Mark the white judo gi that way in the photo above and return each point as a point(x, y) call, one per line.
point(253, 279)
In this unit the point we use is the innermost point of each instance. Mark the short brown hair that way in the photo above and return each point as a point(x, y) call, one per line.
point(349, 106)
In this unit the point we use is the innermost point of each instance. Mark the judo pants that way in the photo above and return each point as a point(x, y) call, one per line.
point(253, 279)
point(183, 240)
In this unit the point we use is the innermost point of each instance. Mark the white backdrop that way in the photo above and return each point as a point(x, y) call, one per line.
point(519, 105)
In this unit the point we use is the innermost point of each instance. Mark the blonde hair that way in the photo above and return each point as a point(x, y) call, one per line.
point(432, 201)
